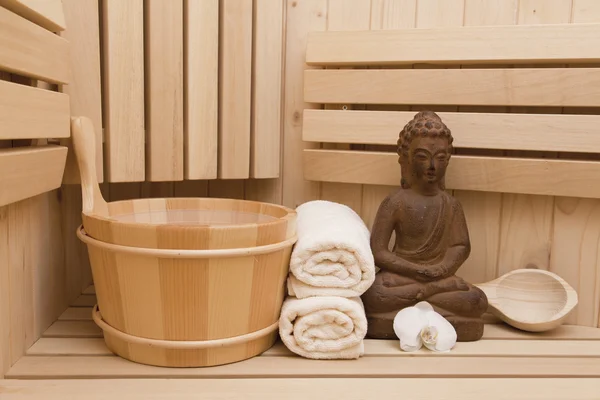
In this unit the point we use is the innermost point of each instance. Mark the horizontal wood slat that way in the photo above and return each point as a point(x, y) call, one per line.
point(301, 389)
point(457, 45)
point(576, 87)
point(28, 171)
point(45, 13)
point(32, 51)
point(493, 174)
point(55, 367)
point(85, 346)
point(27, 112)
point(540, 132)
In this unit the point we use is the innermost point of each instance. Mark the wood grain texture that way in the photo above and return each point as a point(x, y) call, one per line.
point(163, 53)
point(31, 113)
point(48, 14)
point(31, 273)
point(267, 88)
point(201, 89)
point(493, 174)
point(492, 87)
point(478, 130)
point(301, 388)
point(29, 171)
point(480, 44)
point(123, 90)
point(302, 17)
point(32, 51)
point(235, 85)
point(84, 89)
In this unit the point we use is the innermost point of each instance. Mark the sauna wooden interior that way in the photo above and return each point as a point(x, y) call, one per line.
point(286, 101)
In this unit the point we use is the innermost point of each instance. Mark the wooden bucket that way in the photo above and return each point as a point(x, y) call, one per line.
point(183, 282)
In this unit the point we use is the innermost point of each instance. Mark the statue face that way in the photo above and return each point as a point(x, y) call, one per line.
point(429, 157)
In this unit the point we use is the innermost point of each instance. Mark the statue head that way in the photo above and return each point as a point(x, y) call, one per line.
point(424, 149)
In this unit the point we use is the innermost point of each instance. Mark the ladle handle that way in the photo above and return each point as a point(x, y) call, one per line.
point(83, 138)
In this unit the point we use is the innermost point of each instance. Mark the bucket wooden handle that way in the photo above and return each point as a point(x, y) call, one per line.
point(181, 344)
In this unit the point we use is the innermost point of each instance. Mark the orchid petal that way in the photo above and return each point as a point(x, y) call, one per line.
point(408, 324)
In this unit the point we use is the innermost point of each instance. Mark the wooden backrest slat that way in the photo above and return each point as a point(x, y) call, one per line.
point(457, 45)
point(563, 87)
point(48, 14)
point(32, 51)
point(502, 131)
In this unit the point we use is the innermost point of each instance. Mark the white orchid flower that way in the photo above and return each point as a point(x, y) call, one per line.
point(420, 326)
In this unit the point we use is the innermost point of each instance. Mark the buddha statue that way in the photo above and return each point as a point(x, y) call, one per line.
point(431, 243)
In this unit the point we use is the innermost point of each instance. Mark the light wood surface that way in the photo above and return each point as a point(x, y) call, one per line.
point(530, 299)
point(31, 50)
point(267, 88)
point(476, 130)
point(163, 54)
point(457, 45)
point(301, 388)
point(574, 87)
point(490, 174)
point(48, 14)
point(31, 113)
point(123, 89)
point(29, 171)
point(235, 88)
point(566, 352)
point(201, 88)
point(84, 88)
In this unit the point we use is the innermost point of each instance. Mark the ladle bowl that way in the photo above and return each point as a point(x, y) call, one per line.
point(530, 299)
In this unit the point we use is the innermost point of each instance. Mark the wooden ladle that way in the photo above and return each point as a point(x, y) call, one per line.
point(532, 300)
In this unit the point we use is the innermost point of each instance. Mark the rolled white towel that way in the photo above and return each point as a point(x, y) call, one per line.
point(332, 256)
point(326, 327)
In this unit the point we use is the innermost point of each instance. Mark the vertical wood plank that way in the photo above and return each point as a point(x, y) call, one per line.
point(163, 39)
point(201, 69)
point(123, 89)
point(385, 14)
point(527, 220)
point(439, 13)
point(576, 227)
point(5, 360)
point(346, 15)
point(302, 17)
point(483, 210)
point(235, 81)
point(84, 88)
point(267, 88)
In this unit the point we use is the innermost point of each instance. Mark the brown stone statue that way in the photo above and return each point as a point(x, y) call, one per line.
point(432, 239)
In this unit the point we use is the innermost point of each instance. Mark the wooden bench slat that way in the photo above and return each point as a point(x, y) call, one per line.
point(389, 348)
point(52, 367)
point(538, 132)
point(48, 14)
point(76, 314)
point(301, 389)
point(564, 87)
point(32, 51)
point(456, 45)
point(558, 177)
point(27, 112)
point(73, 329)
point(28, 171)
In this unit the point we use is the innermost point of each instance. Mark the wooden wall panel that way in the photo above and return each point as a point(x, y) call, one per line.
point(345, 15)
point(201, 69)
point(32, 270)
point(84, 88)
point(267, 88)
point(123, 89)
point(235, 84)
point(163, 52)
